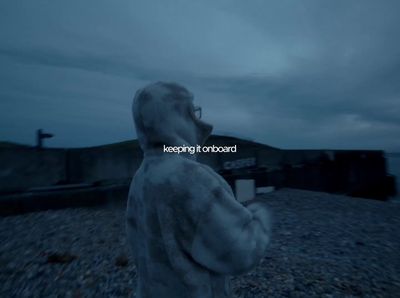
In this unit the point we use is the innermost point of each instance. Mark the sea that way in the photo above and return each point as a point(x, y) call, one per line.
point(393, 163)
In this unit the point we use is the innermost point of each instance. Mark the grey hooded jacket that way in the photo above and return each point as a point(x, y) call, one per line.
point(186, 230)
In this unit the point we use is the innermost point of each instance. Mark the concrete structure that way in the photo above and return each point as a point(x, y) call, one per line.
point(357, 173)
point(24, 167)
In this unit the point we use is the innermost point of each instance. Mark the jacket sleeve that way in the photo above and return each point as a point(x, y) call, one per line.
point(131, 225)
point(230, 238)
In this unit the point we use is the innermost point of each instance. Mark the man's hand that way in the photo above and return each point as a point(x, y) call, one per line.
point(249, 202)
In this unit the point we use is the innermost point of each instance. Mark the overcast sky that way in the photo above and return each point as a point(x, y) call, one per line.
point(291, 74)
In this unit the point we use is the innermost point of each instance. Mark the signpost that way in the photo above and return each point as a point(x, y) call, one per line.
point(40, 135)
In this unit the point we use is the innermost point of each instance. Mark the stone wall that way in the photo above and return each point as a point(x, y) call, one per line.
point(22, 168)
point(358, 173)
point(25, 167)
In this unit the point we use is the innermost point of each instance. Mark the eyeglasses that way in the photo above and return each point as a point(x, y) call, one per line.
point(197, 112)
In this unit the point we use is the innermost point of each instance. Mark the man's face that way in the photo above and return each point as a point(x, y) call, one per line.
point(202, 129)
point(191, 128)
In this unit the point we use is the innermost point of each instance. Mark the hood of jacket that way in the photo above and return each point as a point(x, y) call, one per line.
point(164, 115)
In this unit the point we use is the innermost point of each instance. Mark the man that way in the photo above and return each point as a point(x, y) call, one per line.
point(186, 230)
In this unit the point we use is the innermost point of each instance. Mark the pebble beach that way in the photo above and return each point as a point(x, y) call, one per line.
point(323, 245)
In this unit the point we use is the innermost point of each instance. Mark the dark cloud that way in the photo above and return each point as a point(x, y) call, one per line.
point(293, 74)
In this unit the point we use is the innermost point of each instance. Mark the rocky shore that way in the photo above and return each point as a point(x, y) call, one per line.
point(323, 245)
